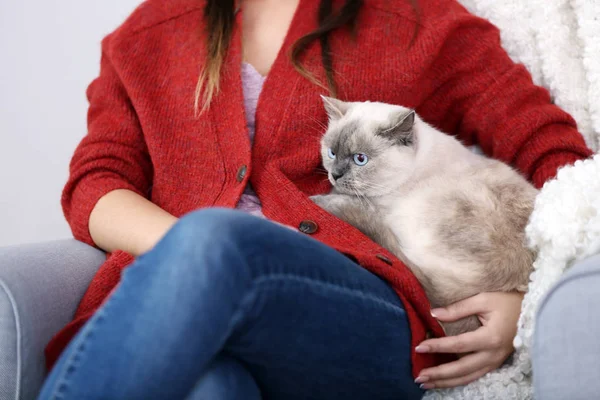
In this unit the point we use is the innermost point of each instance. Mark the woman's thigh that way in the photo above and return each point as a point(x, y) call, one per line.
point(320, 339)
point(315, 325)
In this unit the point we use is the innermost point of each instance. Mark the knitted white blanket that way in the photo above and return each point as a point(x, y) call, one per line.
point(559, 42)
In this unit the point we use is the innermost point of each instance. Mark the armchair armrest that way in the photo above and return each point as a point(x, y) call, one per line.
point(40, 288)
point(565, 342)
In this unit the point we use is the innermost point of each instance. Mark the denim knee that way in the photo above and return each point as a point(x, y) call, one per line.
point(201, 247)
point(211, 226)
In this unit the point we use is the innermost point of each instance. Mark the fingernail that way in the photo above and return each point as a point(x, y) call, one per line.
point(435, 312)
point(426, 386)
point(421, 379)
point(422, 349)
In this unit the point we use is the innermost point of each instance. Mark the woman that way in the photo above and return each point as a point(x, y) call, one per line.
point(227, 305)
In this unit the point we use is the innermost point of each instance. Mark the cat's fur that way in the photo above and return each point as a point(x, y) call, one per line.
point(456, 218)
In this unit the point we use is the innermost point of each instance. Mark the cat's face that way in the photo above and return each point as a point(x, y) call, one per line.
point(368, 148)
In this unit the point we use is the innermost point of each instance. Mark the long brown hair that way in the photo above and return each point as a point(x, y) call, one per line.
point(219, 20)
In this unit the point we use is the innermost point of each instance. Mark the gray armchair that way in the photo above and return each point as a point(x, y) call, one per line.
point(40, 288)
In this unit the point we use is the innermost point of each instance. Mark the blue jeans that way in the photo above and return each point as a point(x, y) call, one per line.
point(229, 306)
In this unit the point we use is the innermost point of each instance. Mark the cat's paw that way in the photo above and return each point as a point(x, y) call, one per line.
point(320, 200)
point(332, 203)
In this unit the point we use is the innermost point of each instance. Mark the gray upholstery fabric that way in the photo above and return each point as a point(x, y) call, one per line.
point(566, 346)
point(40, 288)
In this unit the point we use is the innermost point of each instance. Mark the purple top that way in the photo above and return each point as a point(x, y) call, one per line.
point(252, 83)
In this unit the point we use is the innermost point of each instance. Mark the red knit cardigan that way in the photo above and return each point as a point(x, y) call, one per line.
point(143, 135)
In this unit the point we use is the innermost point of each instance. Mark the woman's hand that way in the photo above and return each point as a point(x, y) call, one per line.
point(483, 350)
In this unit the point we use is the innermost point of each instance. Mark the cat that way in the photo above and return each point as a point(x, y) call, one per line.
point(455, 218)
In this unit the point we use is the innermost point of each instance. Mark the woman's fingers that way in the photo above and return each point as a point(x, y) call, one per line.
point(485, 348)
point(460, 381)
point(464, 367)
point(463, 343)
point(477, 304)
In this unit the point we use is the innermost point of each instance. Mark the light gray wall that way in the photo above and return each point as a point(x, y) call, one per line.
point(49, 53)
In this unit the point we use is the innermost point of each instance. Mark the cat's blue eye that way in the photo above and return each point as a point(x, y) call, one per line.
point(361, 159)
point(330, 153)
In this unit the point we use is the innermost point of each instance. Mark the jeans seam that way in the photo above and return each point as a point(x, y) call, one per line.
point(62, 384)
point(356, 292)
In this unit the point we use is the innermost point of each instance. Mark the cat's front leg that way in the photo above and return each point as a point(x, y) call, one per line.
point(333, 203)
point(362, 215)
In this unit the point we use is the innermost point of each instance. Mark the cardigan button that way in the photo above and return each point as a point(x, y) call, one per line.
point(308, 227)
point(241, 173)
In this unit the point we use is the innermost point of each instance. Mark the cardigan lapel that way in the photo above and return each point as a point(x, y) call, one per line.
point(276, 102)
point(227, 111)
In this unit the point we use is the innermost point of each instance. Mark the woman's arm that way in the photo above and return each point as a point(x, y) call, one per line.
point(104, 199)
point(124, 220)
point(480, 94)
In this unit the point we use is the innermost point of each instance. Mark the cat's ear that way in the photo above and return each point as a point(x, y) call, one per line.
point(402, 128)
point(335, 108)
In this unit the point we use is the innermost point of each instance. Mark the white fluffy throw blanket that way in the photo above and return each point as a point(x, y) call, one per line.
point(559, 42)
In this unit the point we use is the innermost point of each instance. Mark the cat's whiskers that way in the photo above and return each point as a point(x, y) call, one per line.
point(363, 186)
point(358, 196)
point(364, 200)
point(320, 124)
point(372, 184)
point(381, 189)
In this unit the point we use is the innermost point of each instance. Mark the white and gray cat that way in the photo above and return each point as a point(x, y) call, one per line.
point(456, 218)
